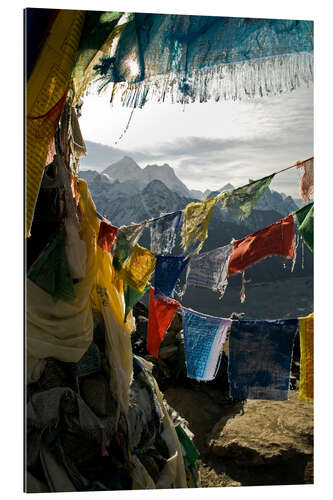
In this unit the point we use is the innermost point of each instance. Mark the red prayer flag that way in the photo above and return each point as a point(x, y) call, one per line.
point(161, 311)
point(106, 236)
point(276, 239)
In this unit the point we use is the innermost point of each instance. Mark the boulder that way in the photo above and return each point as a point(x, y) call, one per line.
point(265, 432)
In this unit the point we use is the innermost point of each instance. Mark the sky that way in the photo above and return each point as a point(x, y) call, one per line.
point(207, 144)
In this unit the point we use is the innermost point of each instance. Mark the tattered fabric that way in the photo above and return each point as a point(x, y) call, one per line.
point(276, 239)
point(306, 369)
point(242, 200)
point(127, 238)
point(161, 311)
point(46, 96)
point(167, 271)
point(260, 354)
point(131, 297)
point(204, 337)
point(195, 222)
point(106, 236)
point(306, 184)
point(304, 217)
point(138, 268)
point(210, 269)
point(187, 58)
point(163, 233)
point(51, 272)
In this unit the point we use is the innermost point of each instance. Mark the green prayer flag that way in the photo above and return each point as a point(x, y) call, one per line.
point(121, 252)
point(131, 297)
point(191, 452)
point(304, 217)
point(242, 200)
point(51, 273)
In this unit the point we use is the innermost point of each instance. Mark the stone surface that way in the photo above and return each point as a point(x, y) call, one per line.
point(265, 432)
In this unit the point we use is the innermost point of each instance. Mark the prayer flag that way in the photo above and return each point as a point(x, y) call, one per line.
point(195, 222)
point(276, 239)
point(127, 238)
point(242, 200)
point(260, 354)
point(306, 371)
point(106, 236)
point(204, 337)
point(163, 233)
point(306, 184)
point(167, 271)
point(210, 269)
point(131, 297)
point(51, 273)
point(138, 268)
point(161, 312)
point(305, 216)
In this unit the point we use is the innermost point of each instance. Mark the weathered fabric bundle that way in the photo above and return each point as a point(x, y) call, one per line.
point(204, 337)
point(304, 216)
point(260, 354)
point(306, 184)
point(163, 233)
point(106, 236)
point(210, 269)
point(242, 200)
point(195, 223)
point(306, 371)
point(276, 239)
point(46, 96)
point(138, 268)
point(167, 271)
point(161, 311)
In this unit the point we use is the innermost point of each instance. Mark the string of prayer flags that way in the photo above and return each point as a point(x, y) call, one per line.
point(276, 239)
point(210, 269)
point(260, 354)
point(204, 337)
point(106, 236)
point(131, 297)
point(163, 233)
point(167, 271)
point(195, 222)
point(242, 200)
point(51, 272)
point(127, 238)
point(304, 217)
point(306, 369)
point(306, 184)
point(138, 268)
point(161, 312)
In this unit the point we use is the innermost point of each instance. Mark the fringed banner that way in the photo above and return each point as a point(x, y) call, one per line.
point(195, 223)
point(259, 361)
point(210, 269)
point(197, 58)
point(163, 233)
point(276, 239)
point(306, 370)
point(167, 271)
point(138, 268)
point(306, 184)
point(242, 200)
point(161, 311)
point(304, 217)
point(204, 337)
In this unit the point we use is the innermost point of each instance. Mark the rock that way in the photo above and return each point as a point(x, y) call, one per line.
point(265, 432)
point(142, 327)
point(140, 309)
point(167, 352)
point(177, 322)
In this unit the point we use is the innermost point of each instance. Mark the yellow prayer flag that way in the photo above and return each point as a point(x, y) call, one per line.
point(195, 222)
point(46, 92)
point(306, 341)
point(138, 268)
